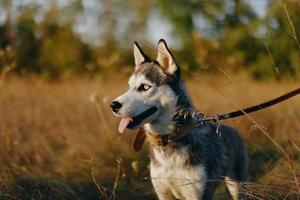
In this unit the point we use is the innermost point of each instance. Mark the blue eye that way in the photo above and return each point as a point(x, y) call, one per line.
point(144, 87)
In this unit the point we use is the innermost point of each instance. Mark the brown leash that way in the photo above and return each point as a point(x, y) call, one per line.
point(251, 109)
point(199, 119)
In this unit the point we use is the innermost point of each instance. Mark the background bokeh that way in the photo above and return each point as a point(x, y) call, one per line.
point(63, 61)
point(56, 38)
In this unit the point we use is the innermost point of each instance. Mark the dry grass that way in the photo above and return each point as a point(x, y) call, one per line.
point(56, 144)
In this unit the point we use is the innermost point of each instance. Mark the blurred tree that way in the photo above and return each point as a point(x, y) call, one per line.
point(232, 21)
point(62, 51)
point(28, 45)
point(283, 22)
point(238, 28)
point(138, 13)
point(182, 15)
point(212, 34)
point(6, 34)
point(122, 22)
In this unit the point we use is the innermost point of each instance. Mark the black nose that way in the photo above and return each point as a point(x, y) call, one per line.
point(115, 106)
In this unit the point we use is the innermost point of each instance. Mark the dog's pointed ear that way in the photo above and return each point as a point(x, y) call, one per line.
point(139, 55)
point(166, 59)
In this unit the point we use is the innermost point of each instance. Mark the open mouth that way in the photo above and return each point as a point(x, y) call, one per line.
point(131, 122)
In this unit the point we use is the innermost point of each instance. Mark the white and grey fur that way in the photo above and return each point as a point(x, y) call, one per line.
point(193, 166)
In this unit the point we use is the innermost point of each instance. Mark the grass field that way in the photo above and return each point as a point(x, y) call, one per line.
point(57, 144)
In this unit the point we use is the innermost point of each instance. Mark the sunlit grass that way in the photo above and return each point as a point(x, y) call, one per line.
point(60, 138)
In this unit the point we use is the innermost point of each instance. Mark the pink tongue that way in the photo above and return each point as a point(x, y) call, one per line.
point(123, 124)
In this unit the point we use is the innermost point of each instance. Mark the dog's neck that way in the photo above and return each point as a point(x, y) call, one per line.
point(179, 116)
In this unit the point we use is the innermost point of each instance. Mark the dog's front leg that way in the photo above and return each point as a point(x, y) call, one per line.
point(160, 182)
point(162, 191)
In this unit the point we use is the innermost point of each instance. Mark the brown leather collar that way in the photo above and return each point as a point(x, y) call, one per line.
point(161, 140)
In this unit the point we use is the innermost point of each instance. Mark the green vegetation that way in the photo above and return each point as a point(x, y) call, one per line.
point(208, 35)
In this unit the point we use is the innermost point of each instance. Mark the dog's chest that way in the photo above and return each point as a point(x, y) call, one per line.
point(172, 172)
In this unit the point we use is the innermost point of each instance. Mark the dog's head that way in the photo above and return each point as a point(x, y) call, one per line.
point(153, 91)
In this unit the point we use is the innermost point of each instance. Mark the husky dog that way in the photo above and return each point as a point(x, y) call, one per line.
point(192, 165)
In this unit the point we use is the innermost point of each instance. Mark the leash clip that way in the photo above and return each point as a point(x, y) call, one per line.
point(198, 118)
point(216, 119)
